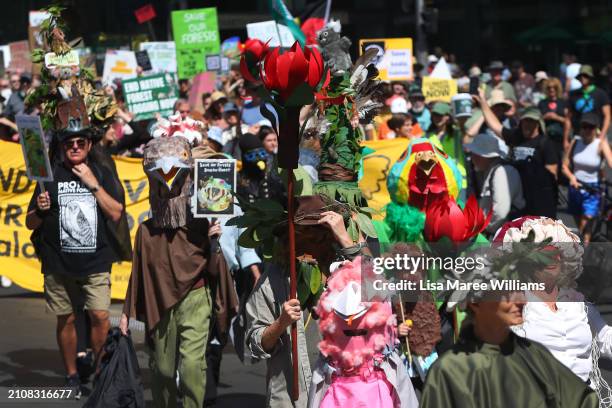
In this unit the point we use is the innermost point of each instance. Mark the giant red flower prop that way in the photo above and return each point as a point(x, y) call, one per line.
point(445, 219)
point(253, 52)
point(290, 73)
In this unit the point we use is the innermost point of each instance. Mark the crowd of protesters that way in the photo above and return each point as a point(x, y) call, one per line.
point(526, 136)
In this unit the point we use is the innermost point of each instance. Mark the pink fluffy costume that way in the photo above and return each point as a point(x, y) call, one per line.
point(359, 365)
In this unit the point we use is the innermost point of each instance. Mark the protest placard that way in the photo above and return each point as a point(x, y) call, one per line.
point(202, 83)
point(143, 60)
point(146, 96)
point(215, 181)
point(213, 62)
point(20, 56)
point(394, 61)
point(119, 64)
point(270, 31)
point(230, 47)
point(436, 89)
point(162, 55)
point(196, 34)
point(31, 136)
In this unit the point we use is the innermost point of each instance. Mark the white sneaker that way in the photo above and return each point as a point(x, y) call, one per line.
point(6, 282)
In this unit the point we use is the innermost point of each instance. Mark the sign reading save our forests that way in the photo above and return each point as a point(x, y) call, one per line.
point(146, 96)
point(196, 34)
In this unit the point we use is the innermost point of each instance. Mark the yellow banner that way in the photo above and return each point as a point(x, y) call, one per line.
point(17, 259)
point(19, 263)
point(376, 167)
point(436, 89)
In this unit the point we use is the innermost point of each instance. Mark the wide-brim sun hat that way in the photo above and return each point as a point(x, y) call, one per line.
point(488, 145)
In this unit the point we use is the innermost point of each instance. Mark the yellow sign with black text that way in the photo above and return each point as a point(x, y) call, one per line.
point(439, 90)
point(18, 261)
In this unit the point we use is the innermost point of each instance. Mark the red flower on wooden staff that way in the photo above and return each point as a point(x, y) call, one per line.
point(445, 219)
point(292, 70)
point(253, 52)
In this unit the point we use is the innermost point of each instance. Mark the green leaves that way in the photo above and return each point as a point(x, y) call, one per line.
point(365, 225)
point(309, 282)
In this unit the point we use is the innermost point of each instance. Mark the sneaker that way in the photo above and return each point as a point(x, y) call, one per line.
point(85, 367)
point(73, 383)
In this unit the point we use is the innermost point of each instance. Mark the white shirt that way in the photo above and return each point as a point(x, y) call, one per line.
point(567, 333)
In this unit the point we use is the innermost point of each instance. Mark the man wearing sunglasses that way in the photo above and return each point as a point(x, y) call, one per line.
point(68, 218)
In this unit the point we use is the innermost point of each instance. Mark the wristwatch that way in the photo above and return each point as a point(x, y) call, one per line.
point(95, 188)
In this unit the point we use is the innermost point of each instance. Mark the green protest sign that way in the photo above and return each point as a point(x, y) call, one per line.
point(146, 96)
point(196, 34)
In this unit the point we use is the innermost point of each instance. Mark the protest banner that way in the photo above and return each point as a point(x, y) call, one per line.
point(215, 185)
point(18, 261)
point(436, 89)
point(34, 148)
point(196, 34)
point(143, 60)
point(20, 57)
point(394, 61)
point(202, 83)
point(162, 55)
point(119, 64)
point(146, 96)
point(270, 31)
point(376, 168)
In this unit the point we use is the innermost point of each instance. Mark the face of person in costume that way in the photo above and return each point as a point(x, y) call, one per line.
point(506, 312)
point(255, 158)
point(165, 158)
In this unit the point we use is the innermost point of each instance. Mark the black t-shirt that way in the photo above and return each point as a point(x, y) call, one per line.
point(530, 156)
point(73, 233)
point(554, 129)
point(583, 102)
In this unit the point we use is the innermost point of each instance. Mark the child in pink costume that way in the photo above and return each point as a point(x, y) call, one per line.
point(359, 365)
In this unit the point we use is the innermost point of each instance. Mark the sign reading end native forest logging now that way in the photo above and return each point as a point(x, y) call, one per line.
point(146, 96)
point(196, 34)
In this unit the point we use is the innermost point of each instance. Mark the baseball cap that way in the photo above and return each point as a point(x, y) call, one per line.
point(531, 113)
point(590, 118)
point(586, 70)
point(399, 105)
point(215, 134)
point(540, 76)
point(441, 108)
point(215, 96)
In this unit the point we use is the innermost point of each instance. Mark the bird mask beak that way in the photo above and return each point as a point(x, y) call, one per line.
point(426, 161)
point(166, 168)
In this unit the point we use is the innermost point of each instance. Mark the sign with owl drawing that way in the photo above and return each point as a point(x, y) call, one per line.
point(215, 185)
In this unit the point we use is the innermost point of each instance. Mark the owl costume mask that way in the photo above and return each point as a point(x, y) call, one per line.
point(167, 163)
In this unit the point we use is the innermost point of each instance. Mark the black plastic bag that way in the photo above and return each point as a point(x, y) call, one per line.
point(119, 384)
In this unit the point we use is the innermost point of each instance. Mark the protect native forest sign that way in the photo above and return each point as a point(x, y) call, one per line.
point(146, 96)
point(196, 35)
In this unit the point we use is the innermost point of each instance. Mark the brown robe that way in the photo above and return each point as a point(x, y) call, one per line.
point(166, 265)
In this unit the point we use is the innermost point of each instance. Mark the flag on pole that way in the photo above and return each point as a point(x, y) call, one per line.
point(282, 16)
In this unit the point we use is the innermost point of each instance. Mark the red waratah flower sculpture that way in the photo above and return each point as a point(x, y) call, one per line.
point(445, 219)
point(253, 51)
point(287, 72)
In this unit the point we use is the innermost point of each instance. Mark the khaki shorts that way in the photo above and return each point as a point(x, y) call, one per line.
point(65, 293)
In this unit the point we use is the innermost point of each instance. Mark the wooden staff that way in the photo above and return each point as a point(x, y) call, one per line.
point(292, 283)
point(404, 321)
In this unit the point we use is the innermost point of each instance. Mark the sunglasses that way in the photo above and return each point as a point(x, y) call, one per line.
point(80, 144)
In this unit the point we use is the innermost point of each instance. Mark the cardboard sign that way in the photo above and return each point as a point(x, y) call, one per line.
point(145, 13)
point(438, 89)
point(196, 34)
point(143, 61)
point(20, 57)
point(31, 136)
point(146, 96)
point(119, 64)
point(277, 34)
point(202, 83)
point(225, 64)
point(162, 55)
point(215, 185)
point(394, 60)
point(70, 59)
